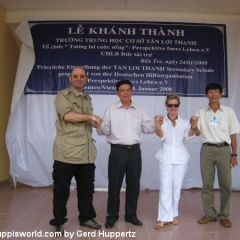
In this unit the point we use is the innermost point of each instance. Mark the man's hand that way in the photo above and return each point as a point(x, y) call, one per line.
point(233, 161)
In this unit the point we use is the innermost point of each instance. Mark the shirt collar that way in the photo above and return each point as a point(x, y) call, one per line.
point(178, 119)
point(119, 104)
point(220, 108)
point(77, 93)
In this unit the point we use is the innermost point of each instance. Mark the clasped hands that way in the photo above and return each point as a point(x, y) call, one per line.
point(158, 119)
point(194, 121)
point(96, 121)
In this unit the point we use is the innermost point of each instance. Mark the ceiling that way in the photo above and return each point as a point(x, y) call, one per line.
point(220, 7)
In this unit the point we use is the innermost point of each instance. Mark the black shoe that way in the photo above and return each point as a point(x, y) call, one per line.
point(109, 225)
point(91, 224)
point(135, 221)
point(58, 231)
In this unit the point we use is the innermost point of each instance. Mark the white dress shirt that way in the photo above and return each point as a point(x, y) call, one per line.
point(173, 149)
point(216, 127)
point(124, 125)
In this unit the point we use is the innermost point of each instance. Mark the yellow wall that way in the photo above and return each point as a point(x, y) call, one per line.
point(9, 53)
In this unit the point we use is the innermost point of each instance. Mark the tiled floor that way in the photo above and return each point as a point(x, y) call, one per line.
point(27, 209)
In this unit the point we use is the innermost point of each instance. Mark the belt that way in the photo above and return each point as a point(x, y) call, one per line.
point(126, 146)
point(216, 144)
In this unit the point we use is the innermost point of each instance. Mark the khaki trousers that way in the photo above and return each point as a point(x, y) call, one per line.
point(216, 158)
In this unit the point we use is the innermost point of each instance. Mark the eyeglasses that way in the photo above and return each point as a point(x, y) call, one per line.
point(173, 105)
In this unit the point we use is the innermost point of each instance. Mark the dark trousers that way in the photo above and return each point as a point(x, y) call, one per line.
point(123, 161)
point(62, 176)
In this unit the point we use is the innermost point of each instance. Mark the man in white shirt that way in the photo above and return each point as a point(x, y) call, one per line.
point(123, 123)
point(218, 127)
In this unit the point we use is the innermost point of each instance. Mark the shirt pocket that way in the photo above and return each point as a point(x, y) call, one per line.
point(75, 148)
point(224, 124)
point(137, 124)
point(77, 108)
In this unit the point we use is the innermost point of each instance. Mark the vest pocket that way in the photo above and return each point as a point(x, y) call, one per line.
point(75, 148)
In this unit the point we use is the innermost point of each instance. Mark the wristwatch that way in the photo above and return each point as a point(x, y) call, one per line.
point(233, 154)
